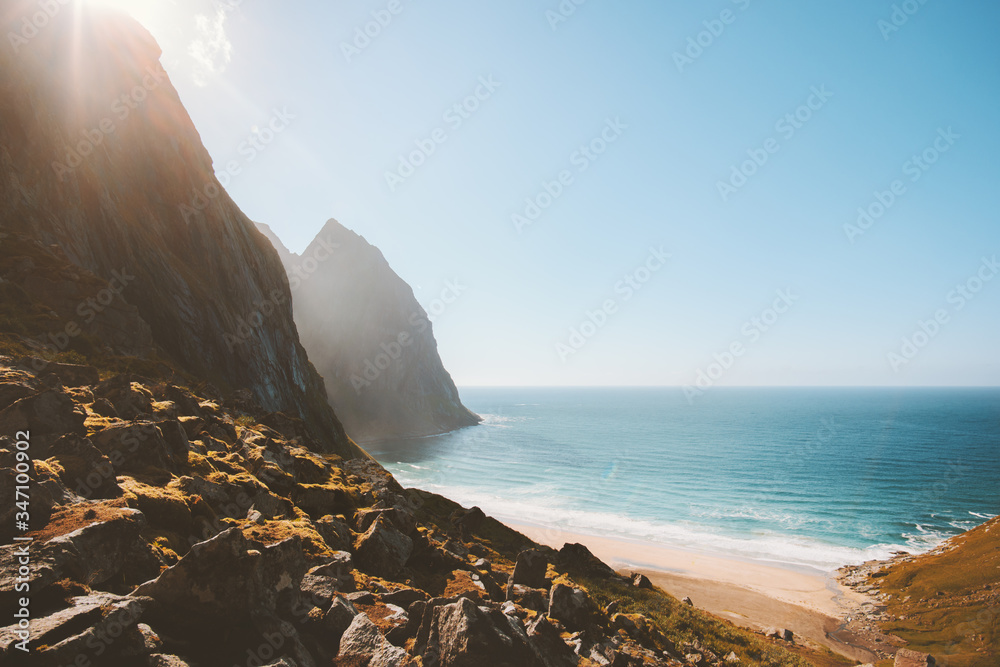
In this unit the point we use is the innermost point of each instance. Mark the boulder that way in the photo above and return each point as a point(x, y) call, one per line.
point(570, 606)
point(641, 581)
point(383, 550)
point(335, 532)
point(103, 548)
point(536, 599)
point(225, 579)
point(468, 521)
point(464, 635)
point(529, 570)
point(363, 641)
point(128, 395)
point(14, 391)
point(84, 468)
point(99, 624)
point(48, 415)
point(907, 658)
point(104, 408)
point(547, 642)
point(338, 618)
point(137, 446)
point(578, 558)
point(404, 597)
point(687, 601)
point(107, 546)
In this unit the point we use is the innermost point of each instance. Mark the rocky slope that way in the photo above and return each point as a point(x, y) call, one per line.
point(170, 527)
point(370, 339)
point(99, 157)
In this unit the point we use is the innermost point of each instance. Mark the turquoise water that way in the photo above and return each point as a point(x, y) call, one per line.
point(817, 477)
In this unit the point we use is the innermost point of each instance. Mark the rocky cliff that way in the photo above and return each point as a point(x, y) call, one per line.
point(370, 339)
point(99, 157)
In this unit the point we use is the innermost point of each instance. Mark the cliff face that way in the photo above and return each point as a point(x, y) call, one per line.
point(370, 339)
point(99, 157)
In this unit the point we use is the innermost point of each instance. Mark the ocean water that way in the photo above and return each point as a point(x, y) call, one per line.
point(815, 478)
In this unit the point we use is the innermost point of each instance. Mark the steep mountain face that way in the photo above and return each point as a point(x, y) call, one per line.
point(99, 157)
point(370, 339)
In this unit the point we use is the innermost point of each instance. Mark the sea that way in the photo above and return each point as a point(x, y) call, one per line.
point(808, 478)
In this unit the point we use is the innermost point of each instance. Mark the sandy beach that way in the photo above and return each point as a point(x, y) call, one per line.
point(750, 594)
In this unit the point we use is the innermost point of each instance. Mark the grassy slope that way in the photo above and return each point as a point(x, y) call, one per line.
point(947, 602)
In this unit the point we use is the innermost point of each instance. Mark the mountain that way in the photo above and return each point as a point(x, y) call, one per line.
point(370, 339)
point(99, 157)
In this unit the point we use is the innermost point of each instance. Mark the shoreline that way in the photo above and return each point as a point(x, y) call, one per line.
point(752, 594)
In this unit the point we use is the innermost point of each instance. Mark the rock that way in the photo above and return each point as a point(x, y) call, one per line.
point(361, 597)
point(536, 599)
point(570, 606)
point(772, 633)
point(405, 597)
point(105, 408)
point(364, 641)
point(338, 617)
point(578, 558)
point(383, 550)
point(150, 640)
point(320, 589)
point(464, 635)
point(612, 608)
point(129, 397)
point(787, 635)
point(686, 600)
point(907, 658)
point(138, 446)
point(319, 500)
point(163, 660)
point(641, 581)
point(547, 642)
point(732, 658)
point(49, 415)
point(93, 625)
point(14, 391)
point(98, 551)
point(85, 470)
point(529, 570)
point(222, 580)
point(468, 521)
point(71, 375)
point(338, 566)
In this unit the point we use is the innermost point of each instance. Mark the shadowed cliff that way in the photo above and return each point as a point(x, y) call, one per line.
point(370, 339)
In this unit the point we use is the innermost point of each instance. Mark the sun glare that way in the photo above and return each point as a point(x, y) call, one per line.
point(154, 15)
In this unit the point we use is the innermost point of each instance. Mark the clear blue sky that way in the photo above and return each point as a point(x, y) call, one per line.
point(686, 124)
